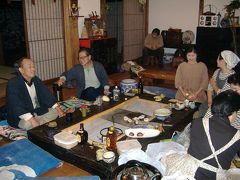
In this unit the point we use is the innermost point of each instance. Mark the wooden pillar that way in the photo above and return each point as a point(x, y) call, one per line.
point(103, 12)
point(71, 35)
point(201, 7)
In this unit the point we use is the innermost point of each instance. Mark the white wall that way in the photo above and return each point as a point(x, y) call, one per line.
point(182, 14)
point(86, 7)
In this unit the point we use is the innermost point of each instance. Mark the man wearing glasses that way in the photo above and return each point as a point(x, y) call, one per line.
point(91, 77)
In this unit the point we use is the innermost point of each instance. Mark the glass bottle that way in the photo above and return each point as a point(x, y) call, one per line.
point(82, 135)
point(116, 94)
point(111, 139)
point(57, 91)
point(140, 86)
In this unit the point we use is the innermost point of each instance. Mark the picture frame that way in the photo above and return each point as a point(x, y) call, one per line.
point(235, 21)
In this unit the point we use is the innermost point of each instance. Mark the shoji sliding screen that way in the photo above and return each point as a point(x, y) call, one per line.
point(45, 36)
point(133, 29)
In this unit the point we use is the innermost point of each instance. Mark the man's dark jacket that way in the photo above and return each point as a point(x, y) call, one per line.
point(19, 101)
point(77, 73)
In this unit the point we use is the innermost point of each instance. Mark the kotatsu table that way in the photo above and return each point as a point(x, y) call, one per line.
point(84, 156)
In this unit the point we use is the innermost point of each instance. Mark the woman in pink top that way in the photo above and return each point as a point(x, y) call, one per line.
point(191, 78)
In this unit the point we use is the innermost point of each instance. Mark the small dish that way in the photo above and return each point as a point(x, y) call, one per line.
point(179, 106)
point(108, 156)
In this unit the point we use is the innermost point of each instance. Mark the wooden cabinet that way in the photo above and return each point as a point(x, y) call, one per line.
point(211, 41)
point(103, 50)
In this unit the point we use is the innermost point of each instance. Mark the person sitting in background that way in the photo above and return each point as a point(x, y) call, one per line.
point(153, 46)
point(191, 78)
point(91, 77)
point(178, 58)
point(29, 102)
point(226, 62)
point(213, 142)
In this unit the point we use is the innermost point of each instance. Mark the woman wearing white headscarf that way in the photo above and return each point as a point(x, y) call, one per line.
point(226, 63)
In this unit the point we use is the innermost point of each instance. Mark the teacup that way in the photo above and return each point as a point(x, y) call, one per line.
point(192, 105)
point(108, 156)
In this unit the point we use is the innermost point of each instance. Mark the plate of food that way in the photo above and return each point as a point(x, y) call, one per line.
point(162, 113)
point(142, 132)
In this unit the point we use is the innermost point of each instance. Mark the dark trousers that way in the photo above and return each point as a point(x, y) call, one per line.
point(91, 93)
point(158, 53)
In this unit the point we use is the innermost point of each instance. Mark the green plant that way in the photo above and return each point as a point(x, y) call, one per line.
point(230, 8)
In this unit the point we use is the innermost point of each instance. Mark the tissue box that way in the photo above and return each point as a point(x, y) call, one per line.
point(124, 146)
point(65, 140)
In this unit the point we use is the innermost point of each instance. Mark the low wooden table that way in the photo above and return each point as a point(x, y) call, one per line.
point(84, 156)
point(167, 72)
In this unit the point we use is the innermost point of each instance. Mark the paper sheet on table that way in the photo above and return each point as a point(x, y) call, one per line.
point(138, 154)
point(94, 127)
point(144, 106)
point(158, 150)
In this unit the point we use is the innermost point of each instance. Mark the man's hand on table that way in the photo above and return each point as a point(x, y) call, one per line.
point(60, 112)
point(34, 122)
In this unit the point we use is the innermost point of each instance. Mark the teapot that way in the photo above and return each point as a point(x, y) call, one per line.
point(135, 170)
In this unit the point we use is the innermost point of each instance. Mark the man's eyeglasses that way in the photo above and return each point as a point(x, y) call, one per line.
point(83, 57)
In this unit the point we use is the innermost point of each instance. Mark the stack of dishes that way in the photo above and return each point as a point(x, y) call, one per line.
point(162, 113)
point(128, 84)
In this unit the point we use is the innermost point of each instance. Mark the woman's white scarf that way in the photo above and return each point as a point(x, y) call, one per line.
point(230, 58)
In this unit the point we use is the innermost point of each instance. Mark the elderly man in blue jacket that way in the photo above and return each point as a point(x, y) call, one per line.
point(29, 102)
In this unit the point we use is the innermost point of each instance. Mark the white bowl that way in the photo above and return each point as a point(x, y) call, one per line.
point(108, 156)
point(162, 112)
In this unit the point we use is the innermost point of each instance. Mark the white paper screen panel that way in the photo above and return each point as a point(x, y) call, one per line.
point(45, 36)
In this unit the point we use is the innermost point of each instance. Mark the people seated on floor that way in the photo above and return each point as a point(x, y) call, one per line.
point(178, 58)
point(234, 84)
point(191, 78)
point(29, 102)
point(153, 46)
point(234, 81)
point(213, 142)
point(90, 76)
point(227, 65)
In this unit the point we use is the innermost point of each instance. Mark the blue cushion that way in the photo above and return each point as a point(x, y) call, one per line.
point(170, 93)
point(69, 178)
point(4, 123)
point(24, 152)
